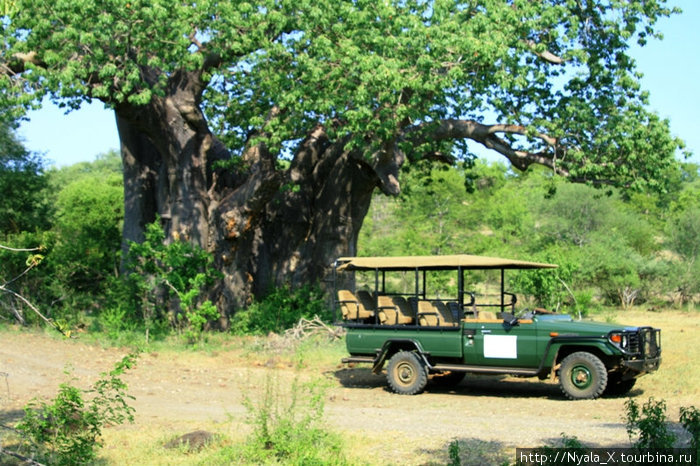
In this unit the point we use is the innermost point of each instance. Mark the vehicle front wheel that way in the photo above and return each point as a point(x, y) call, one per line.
point(406, 373)
point(582, 376)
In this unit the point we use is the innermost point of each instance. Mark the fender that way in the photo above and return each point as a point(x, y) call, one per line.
point(556, 343)
point(400, 343)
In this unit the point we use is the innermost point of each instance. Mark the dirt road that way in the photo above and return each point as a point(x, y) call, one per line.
point(177, 390)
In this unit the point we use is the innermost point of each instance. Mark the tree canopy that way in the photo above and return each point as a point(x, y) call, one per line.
point(547, 82)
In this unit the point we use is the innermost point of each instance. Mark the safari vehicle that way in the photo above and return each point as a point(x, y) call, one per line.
point(394, 318)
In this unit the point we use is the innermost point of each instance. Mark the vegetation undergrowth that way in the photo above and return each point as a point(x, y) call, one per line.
point(67, 430)
point(287, 426)
point(281, 309)
point(648, 427)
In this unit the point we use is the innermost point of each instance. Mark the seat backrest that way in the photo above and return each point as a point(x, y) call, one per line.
point(454, 308)
point(406, 314)
point(366, 300)
point(386, 310)
point(354, 308)
point(428, 314)
point(348, 304)
point(446, 317)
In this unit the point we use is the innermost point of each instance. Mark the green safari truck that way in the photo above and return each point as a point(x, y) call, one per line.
point(392, 318)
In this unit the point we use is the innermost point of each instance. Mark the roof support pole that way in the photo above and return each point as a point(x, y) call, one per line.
point(503, 289)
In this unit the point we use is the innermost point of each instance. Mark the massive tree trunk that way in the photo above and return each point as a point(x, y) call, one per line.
point(266, 227)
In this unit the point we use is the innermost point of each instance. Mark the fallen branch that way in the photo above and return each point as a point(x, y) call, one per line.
point(33, 308)
point(26, 460)
point(305, 327)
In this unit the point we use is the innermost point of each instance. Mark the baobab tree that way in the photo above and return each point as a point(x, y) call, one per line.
point(259, 130)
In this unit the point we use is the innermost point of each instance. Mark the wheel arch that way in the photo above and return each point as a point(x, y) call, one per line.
point(601, 351)
point(393, 346)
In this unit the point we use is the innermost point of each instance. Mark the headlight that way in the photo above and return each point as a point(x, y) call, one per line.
point(620, 339)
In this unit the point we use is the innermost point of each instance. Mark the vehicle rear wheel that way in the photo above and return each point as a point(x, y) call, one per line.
point(406, 373)
point(582, 376)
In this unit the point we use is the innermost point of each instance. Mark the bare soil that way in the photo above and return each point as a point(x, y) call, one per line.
point(178, 392)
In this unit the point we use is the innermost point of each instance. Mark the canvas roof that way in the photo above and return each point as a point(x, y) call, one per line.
point(465, 261)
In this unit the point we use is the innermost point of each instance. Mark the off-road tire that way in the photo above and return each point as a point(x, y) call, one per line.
point(406, 373)
point(447, 379)
point(582, 376)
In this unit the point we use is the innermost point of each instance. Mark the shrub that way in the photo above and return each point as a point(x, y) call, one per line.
point(67, 431)
point(649, 425)
point(690, 420)
point(280, 310)
point(169, 279)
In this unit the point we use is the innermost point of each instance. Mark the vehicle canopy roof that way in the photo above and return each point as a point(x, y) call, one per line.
point(449, 262)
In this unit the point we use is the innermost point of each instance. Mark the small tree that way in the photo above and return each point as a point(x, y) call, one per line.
point(168, 278)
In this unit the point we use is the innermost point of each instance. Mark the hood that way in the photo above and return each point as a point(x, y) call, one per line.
point(580, 327)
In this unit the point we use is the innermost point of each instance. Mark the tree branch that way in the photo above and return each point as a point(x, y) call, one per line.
point(545, 55)
point(20, 250)
point(33, 308)
point(20, 60)
point(486, 135)
point(25, 459)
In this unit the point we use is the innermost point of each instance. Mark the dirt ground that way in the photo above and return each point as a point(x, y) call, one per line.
point(179, 392)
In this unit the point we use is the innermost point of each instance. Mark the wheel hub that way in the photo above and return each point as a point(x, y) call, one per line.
point(581, 376)
point(405, 373)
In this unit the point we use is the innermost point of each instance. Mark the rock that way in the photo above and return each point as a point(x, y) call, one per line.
point(192, 441)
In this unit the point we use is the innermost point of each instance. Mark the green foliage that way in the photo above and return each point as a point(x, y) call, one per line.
point(80, 241)
point(194, 313)
point(453, 453)
point(548, 288)
point(25, 204)
point(371, 69)
point(690, 420)
point(67, 430)
point(280, 310)
point(611, 249)
point(24, 274)
point(169, 279)
point(648, 427)
point(88, 222)
point(288, 427)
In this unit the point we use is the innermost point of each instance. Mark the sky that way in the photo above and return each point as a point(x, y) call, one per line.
point(671, 75)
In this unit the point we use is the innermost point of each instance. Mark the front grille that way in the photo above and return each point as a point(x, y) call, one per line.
point(643, 343)
point(650, 342)
point(633, 343)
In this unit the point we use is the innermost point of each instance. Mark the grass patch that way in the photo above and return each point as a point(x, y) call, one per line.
point(678, 379)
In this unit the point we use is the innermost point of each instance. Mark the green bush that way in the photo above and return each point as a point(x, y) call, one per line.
point(280, 310)
point(88, 224)
point(648, 425)
point(690, 420)
point(67, 431)
point(169, 280)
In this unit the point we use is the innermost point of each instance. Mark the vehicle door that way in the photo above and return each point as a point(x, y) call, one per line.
point(489, 341)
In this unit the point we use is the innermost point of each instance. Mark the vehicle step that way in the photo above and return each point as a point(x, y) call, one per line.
point(484, 370)
point(367, 359)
